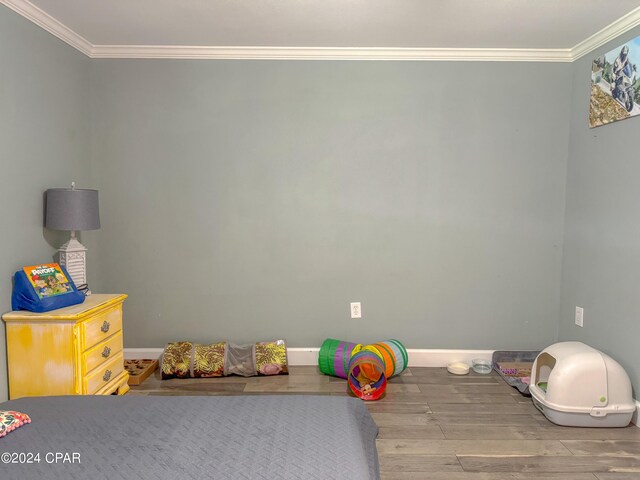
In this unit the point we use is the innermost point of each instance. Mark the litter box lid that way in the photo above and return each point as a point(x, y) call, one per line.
point(580, 379)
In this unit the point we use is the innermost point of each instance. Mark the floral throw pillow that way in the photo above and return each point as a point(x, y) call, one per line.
point(10, 420)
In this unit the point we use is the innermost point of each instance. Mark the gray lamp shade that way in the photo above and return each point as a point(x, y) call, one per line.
point(72, 209)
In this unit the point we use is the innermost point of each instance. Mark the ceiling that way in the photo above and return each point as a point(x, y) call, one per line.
point(319, 24)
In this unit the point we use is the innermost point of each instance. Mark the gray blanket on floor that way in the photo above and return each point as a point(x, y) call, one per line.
point(243, 437)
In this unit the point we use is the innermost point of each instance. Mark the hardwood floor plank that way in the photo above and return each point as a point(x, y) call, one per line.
point(276, 380)
point(471, 447)
point(206, 387)
point(336, 380)
point(399, 419)
point(137, 393)
point(408, 432)
point(304, 370)
point(434, 397)
point(548, 464)
point(398, 398)
point(618, 476)
point(377, 407)
point(485, 388)
point(210, 381)
point(306, 386)
point(488, 476)
point(518, 398)
point(483, 432)
point(453, 398)
point(451, 380)
point(616, 448)
point(419, 463)
point(481, 408)
point(489, 419)
point(394, 388)
point(294, 387)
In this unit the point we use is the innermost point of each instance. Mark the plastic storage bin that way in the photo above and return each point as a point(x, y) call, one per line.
point(576, 385)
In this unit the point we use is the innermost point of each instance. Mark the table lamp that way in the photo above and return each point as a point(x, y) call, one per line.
point(74, 210)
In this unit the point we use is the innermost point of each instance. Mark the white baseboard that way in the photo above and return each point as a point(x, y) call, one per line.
point(309, 355)
point(140, 353)
point(302, 355)
point(441, 358)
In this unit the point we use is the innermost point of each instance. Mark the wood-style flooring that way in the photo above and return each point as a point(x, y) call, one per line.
point(434, 425)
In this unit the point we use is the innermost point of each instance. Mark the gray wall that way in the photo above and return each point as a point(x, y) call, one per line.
point(249, 200)
point(601, 265)
point(44, 142)
point(253, 200)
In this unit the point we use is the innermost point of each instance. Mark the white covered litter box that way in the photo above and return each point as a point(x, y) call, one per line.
point(576, 385)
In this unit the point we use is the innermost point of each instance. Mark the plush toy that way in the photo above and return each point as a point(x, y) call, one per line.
point(367, 389)
point(366, 383)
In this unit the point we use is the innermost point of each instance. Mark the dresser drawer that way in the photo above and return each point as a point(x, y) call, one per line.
point(100, 327)
point(101, 353)
point(102, 375)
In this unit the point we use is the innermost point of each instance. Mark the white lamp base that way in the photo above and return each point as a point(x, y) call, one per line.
point(73, 257)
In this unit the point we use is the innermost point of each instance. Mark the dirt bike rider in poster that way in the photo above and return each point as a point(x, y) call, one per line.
point(622, 69)
point(621, 62)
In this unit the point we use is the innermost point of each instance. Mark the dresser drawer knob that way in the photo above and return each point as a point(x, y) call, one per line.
point(105, 326)
point(106, 352)
point(107, 376)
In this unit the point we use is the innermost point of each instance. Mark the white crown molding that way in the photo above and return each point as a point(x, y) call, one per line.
point(64, 33)
point(335, 53)
point(41, 18)
point(608, 33)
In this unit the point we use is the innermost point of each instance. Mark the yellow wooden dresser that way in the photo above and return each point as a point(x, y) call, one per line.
point(75, 350)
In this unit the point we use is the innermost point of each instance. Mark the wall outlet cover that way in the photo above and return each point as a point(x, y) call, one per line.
point(580, 316)
point(356, 310)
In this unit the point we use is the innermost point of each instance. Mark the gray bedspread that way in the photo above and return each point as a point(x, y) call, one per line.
point(243, 437)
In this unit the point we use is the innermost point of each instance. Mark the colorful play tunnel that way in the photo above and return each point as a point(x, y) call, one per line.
point(366, 368)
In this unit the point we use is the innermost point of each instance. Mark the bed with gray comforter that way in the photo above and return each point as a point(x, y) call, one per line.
point(243, 437)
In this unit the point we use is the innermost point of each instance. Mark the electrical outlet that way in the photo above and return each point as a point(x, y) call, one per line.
point(579, 316)
point(356, 310)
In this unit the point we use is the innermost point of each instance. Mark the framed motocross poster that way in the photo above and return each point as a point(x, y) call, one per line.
point(615, 86)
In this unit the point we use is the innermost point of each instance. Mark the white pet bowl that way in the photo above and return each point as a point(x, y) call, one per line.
point(458, 368)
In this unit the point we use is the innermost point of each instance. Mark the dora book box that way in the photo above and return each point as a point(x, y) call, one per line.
point(41, 288)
